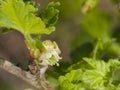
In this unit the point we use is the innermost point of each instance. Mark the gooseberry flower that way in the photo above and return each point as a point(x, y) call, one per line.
point(51, 55)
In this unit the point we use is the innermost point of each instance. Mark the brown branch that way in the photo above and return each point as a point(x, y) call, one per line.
point(24, 75)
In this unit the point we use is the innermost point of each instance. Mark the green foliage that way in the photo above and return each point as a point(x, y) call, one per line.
point(93, 74)
point(71, 81)
point(50, 14)
point(84, 72)
point(22, 19)
point(98, 76)
point(97, 24)
point(20, 15)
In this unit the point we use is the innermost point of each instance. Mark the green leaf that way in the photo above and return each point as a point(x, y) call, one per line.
point(74, 76)
point(99, 65)
point(102, 75)
point(114, 63)
point(97, 24)
point(94, 79)
point(83, 64)
point(65, 84)
point(21, 16)
point(71, 81)
point(50, 14)
point(93, 74)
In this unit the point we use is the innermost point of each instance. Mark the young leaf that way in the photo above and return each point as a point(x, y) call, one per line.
point(71, 81)
point(21, 16)
point(50, 14)
point(102, 76)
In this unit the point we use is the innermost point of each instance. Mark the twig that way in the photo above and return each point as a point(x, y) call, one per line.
point(24, 75)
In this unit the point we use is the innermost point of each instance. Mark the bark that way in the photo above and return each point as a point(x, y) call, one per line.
point(27, 76)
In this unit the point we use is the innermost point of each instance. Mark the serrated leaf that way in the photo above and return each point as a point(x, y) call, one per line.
point(96, 74)
point(74, 76)
point(94, 78)
point(21, 16)
point(99, 65)
point(71, 81)
point(66, 85)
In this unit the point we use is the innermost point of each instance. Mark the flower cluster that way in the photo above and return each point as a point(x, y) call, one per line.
point(51, 55)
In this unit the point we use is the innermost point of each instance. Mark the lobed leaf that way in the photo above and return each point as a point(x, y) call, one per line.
point(21, 16)
point(93, 75)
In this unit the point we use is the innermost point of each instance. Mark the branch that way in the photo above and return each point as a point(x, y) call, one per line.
point(24, 75)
